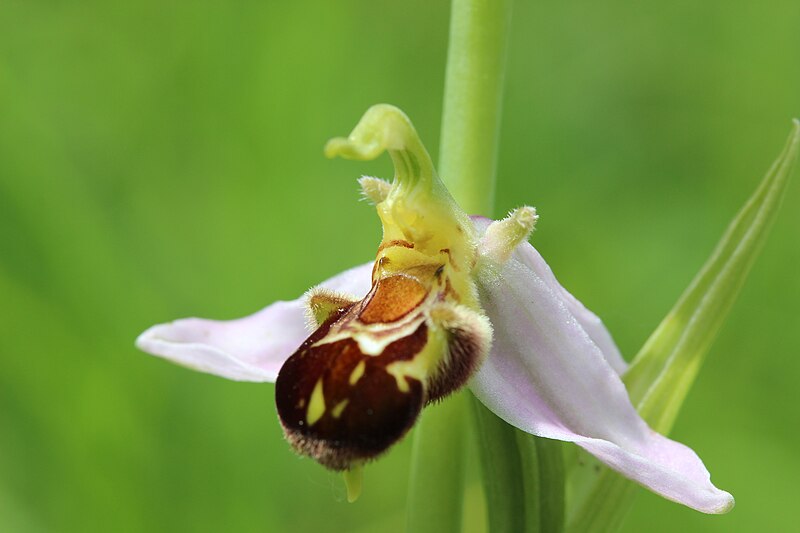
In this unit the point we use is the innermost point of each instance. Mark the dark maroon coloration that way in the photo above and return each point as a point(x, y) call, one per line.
point(377, 413)
point(464, 350)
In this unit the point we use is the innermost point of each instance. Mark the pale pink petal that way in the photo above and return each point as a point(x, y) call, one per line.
point(591, 323)
point(252, 348)
point(547, 376)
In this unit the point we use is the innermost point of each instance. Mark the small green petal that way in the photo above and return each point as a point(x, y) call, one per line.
point(665, 368)
point(354, 481)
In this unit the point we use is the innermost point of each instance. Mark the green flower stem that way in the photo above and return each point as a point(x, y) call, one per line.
point(473, 95)
point(543, 479)
point(479, 32)
point(502, 479)
point(523, 474)
point(437, 469)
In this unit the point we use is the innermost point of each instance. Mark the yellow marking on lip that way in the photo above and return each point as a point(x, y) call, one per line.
point(416, 368)
point(357, 372)
point(316, 404)
point(336, 412)
point(420, 366)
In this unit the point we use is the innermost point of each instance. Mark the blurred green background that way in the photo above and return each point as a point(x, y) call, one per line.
point(163, 159)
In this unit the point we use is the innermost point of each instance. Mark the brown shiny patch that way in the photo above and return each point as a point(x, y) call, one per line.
point(363, 417)
point(392, 298)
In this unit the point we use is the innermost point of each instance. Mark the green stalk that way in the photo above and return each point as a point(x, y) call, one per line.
point(503, 479)
point(474, 79)
point(473, 94)
point(437, 469)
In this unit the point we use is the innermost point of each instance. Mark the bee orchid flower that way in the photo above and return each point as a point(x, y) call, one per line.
point(449, 301)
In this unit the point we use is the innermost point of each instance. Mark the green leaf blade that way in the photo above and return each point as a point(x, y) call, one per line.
point(664, 370)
